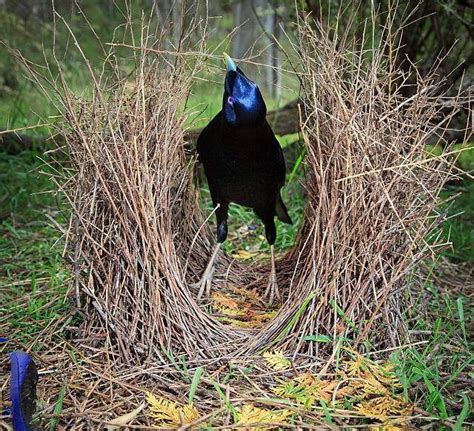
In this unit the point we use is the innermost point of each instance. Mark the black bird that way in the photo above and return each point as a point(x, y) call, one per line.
point(244, 163)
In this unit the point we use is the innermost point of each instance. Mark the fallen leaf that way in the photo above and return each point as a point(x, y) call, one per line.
point(251, 417)
point(384, 406)
point(220, 300)
point(244, 255)
point(125, 419)
point(277, 360)
point(170, 413)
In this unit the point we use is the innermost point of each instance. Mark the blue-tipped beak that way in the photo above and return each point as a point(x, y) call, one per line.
point(230, 63)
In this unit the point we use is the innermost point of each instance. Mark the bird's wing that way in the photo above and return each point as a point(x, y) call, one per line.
point(279, 159)
point(208, 138)
point(281, 211)
point(281, 166)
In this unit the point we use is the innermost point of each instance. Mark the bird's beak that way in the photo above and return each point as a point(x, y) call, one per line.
point(229, 63)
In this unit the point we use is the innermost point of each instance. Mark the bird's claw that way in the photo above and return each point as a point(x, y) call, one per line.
point(272, 291)
point(205, 283)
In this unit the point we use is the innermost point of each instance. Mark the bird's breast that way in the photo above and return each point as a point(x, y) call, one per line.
point(247, 178)
point(243, 165)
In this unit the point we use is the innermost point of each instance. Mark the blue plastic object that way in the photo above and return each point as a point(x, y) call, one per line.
point(23, 380)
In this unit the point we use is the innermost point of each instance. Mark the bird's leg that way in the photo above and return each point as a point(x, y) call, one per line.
point(272, 287)
point(272, 291)
point(206, 279)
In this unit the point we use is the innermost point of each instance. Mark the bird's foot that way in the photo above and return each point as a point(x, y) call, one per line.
point(272, 291)
point(205, 283)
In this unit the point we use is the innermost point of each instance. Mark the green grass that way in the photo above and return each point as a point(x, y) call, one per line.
point(436, 369)
point(32, 274)
point(459, 227)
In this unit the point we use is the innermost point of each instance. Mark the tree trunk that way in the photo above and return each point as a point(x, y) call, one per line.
point(257, 24)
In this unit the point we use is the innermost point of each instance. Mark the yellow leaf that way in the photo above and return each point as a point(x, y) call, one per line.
point(263, 317)
point(170, 413)
point(250, 294)
point(316, 388)
point(384, 406)
point(229, 312)
point(277, 360)
point(240, 323)
point(251, 417)
point(392, 427)
point(220, 300)
point(125, 419)
point(244, 255)
point(371, 387)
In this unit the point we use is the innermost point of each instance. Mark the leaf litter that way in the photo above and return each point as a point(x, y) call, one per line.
point(356, 386)
point(241, 307)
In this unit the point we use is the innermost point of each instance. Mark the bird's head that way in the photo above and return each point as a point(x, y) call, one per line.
point(243, 104)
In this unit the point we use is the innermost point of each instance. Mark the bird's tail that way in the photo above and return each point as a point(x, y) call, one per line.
point(281, 211)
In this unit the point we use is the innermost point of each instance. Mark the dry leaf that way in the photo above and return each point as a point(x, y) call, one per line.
point(220, 300)
point(240, 323)
point(250, 294)
point(250, 417)
point(244, 255)
point(371, 387)
point(170, 413)
point(125, 419)
point(383, 407)
point(277, 360)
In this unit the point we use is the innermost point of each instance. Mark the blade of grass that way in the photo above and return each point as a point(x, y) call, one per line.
point(195, 383)
point(342, 315)
point(58, 407)
point(327, 414)
point(296, 166)
point(228, 404)
point(318, 338)
point(466, 408)
point(436, 398)
point(295, 318)
point(460, 308)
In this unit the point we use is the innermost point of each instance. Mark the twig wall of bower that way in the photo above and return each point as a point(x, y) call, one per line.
point(138, 240)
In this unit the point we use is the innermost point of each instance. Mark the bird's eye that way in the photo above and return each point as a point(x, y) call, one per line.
point(230, 100)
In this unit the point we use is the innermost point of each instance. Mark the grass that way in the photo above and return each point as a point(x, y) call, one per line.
point(459, 228)
point(32, 274)
point(436, 372)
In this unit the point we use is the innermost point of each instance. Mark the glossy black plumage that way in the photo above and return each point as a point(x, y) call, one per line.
point(242, 158)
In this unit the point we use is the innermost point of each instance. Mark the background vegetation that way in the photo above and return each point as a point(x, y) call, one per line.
point(432, 371)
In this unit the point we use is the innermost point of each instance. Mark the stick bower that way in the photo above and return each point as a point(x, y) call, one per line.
point(138, 241)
